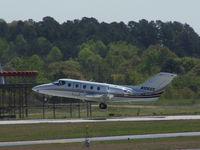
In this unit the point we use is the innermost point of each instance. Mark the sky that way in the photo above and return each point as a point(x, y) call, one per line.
point(184, 11)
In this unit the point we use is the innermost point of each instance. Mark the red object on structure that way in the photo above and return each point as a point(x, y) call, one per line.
point(18, 73)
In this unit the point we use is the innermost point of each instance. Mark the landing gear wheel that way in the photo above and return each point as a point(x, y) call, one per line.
point(102, 106)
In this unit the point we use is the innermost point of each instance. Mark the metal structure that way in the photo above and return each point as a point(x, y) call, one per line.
point(14, 92)
point(17, 98)
point(70, 109)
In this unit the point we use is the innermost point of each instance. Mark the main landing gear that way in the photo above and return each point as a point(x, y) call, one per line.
point(102, 106)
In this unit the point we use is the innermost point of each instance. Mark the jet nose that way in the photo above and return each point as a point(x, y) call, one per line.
point(42, 88)
point(35, 88)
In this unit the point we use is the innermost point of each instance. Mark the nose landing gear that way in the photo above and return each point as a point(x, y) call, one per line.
point(102, 106)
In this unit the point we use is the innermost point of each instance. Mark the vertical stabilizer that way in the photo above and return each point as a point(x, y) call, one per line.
point(2, 81)
point(158, 82)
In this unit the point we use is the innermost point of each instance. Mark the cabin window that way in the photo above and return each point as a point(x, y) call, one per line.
point(91, 87)
point(98, 88)
point(84, 86)
point(69, 84)
point(77, 85)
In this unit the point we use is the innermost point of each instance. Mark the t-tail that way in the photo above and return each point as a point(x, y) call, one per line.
point(156, 84)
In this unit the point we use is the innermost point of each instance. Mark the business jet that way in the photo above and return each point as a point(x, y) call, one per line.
point(150, 90)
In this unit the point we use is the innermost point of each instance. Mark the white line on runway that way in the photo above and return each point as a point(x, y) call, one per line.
point(143, 118)
point(124, 137)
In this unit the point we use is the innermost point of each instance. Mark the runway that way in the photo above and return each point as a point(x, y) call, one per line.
point(142, 118)
point(109, 138)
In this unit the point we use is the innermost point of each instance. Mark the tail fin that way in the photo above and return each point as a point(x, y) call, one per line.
point(2, 81)
point(156, 83)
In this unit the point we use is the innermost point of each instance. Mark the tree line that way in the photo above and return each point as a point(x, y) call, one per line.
point(116, 53)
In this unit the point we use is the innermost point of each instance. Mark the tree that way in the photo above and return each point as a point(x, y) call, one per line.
point(180, 38)
point(29, 31)
point(130, 64)
point(145, 33)
point(97, 47)
point(40, 46)
point(150, 62)
point(4, 47)
point(3, 29)
point(92, 64)
point(173, 66)
point(49, 28)
point(6, 52)
point(33, 63)
point(118, 53)
point(123, 49)
point(179, 65)
point(21, 45)
point(15, 63)
point(154, 57)
point(65, 69)
point(196, 70)
point(54, 55)
point(188, 63)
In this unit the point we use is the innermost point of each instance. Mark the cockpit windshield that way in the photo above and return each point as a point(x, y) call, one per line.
point(59, 82)
point(56, 82)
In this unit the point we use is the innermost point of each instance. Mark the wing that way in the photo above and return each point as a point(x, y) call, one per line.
point(100, 96)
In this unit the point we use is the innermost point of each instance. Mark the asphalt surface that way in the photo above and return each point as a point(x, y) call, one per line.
point(144, 118)
point(124, 137)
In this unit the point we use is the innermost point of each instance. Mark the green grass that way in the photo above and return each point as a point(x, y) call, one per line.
point(164, 102)
point(124, 109)
point(72, 130)
point(119, 110)
point(146, 110)
point(139, 144)
point(160, 107)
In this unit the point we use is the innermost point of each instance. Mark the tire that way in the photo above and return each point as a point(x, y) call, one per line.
point(102, 106)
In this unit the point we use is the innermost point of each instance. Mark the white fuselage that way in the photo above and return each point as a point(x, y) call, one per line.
point(94, 91)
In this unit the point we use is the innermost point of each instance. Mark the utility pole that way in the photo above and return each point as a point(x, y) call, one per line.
point(87, 142)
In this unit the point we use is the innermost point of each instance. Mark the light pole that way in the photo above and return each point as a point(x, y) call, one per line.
point(87, 142)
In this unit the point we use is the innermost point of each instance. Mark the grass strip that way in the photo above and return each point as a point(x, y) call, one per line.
point(140, 144)
point(72, 130)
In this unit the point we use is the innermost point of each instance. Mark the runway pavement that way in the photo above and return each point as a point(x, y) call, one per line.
point(142, 118)
point(124, 137)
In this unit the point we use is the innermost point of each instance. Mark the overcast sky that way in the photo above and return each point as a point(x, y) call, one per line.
point(184, 11)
